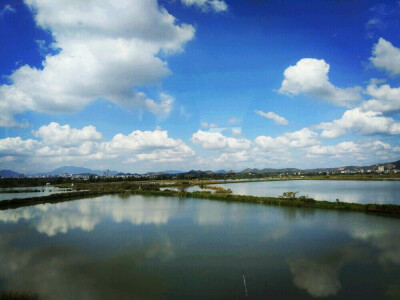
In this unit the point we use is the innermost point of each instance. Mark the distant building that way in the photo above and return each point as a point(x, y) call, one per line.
point(381, 169)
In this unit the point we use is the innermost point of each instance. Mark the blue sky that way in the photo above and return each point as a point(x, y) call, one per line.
point(150, 85)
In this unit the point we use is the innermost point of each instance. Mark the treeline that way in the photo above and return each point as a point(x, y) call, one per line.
point(20, 182)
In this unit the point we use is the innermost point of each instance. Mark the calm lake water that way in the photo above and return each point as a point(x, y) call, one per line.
point(138, 247)
point(383, 192)
point(42, 191)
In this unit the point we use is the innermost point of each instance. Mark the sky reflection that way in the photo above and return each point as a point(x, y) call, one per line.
point(113, 247)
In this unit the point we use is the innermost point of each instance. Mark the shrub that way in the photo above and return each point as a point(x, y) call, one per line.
point(289, 195)
point(306, 199)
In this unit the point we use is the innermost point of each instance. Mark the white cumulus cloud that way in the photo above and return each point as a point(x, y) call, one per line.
point(60, 144)
point(386, 56)
point(358, 121)
point(107, 49)
point(55, 134)
point(310, 76)
point(273, 116)
point(207, 5)
point(297, 139)
point(217, 141)
point(385, 99)
point(355, 150)
point(148, 145)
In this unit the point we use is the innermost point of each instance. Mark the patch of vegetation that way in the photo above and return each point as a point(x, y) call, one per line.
point(217, 189)
point(289, 195)
point(292, 196)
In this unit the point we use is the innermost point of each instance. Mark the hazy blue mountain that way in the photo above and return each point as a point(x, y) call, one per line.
point(76, 170)
point(9, 174)
point(173, 172)
point(81, 170)
point(220, 172)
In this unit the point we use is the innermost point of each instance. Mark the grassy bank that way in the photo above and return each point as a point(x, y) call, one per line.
point(53, 198)
point(386, 209)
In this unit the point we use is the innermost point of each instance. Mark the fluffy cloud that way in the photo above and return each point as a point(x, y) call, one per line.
point(373, 116)
point(385, 56)
point(155, 146)
point(273, 116)
point(163, 108)
point(55, 134)
point(60, 144)
point(358, 121)
point(310, 76)
point(304, 148)
point(217, 141)
point(13, 101)
point(236, 131)
point(206, 5)
point(286, 150)
point(105, 50)
point(297, 139)
point(385, 98)
point(351, 151)
point(17, 146)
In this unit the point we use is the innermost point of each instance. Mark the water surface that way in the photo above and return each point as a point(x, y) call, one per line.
point(39, 191)
point(138, 247)
point(383, 192)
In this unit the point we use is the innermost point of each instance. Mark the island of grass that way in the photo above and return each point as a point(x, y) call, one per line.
point(178, 189)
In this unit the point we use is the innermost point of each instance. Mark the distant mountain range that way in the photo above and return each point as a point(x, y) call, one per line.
point(10, 174)
point(79, 170)
point(173, 172)
point(75, 171)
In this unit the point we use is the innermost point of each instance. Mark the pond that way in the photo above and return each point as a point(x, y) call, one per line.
point(137, 247)
point(383, 192)
point(36, 191)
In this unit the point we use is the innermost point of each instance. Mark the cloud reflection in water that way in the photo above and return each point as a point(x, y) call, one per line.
point(52, 219)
